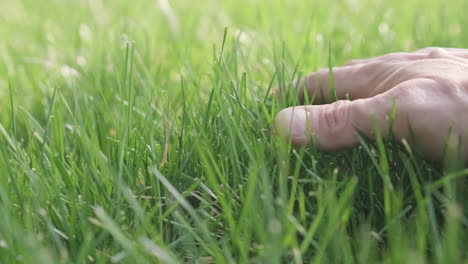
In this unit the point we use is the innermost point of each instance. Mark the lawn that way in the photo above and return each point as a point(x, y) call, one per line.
point(141, 132)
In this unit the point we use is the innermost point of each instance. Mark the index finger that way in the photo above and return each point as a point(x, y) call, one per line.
point(353, 81)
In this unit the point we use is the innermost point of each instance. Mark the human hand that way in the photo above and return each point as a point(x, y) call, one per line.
point(430, 89)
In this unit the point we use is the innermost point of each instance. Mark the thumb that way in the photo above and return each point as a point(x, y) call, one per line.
point(329, 127)
point(332, 127)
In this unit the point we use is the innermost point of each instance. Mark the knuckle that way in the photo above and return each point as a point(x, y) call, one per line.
point(387, 57)
point(392, 57)
point(335, 118)
point(435, 53)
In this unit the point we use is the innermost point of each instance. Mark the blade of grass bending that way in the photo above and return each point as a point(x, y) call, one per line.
point(13, 118)
point(210, 247)
point(8, 138)
point(222, 46)
point(388, 187)
point(270, 86)
point(108, 224)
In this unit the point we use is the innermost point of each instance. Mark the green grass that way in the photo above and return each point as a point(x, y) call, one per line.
point(135, 133)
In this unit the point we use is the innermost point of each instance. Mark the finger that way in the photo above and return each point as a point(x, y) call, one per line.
point(358, 61)
point(334, 126)
point(353, 81)
point(356, 80)
point(441, 53)
point(463, 55)
point(425, 53)
point(429, 49)
point(391, 57)
point(455, 50)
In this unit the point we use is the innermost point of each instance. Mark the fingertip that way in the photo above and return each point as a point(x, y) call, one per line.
point(293, 124)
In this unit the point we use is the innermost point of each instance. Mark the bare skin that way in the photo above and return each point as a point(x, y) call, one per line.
point(429, 87)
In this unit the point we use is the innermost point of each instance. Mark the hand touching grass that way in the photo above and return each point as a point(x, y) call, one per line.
point(429, 88)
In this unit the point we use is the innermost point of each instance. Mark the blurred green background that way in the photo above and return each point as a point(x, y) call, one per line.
point(44, 40)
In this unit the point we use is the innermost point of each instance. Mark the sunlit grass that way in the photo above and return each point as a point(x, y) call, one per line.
point(141, 132)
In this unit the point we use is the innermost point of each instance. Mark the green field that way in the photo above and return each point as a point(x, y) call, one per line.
point(141, 132)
